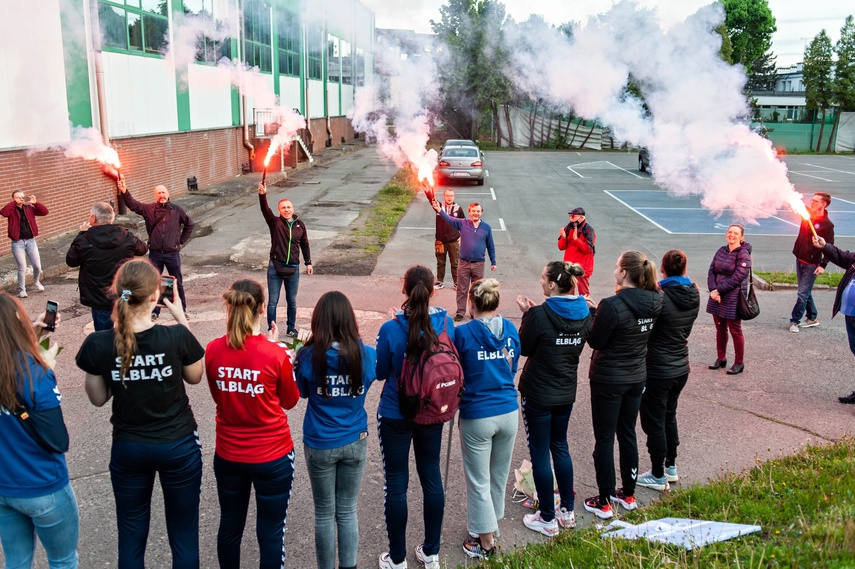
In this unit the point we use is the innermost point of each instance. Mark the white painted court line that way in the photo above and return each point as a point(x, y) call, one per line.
point(832, 169)
point(841, 200)
point(487, 173)
point(636, 211)
point(771, 216)
point(625, 170)
point(809, 176)
point(493, 193)
point(575, 172)
point(502, 224)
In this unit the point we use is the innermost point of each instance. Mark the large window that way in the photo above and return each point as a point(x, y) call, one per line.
point(214, 45)
point(316, 52)
point(359, 67)
point(134, 25)
point(346, 63)
point(333, 59)
point(288, 25)
point(256, 32)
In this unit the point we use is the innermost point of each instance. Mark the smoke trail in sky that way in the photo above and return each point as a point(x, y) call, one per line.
point(403, 101)
point(695, 128)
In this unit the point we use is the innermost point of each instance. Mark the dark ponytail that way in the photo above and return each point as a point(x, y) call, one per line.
point(418, 285)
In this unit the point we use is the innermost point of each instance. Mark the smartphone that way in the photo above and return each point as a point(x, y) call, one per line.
point(167, 285)
point(51, 310)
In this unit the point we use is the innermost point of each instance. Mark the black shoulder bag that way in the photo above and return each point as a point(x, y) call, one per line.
point(747, 307)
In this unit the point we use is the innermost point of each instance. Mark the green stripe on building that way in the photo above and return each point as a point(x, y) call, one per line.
point(74, 50)
point(182, 88)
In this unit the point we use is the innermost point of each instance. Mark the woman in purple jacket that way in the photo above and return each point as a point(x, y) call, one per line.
point(726, 279)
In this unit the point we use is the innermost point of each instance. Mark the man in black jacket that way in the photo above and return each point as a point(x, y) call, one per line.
point(844, 300)
point(169, 228)
point(99, 249)
point(447, 239)
point(810, 261)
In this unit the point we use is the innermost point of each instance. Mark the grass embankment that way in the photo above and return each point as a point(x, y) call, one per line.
point(827, 278)
point(384, 214)
point(804, 503)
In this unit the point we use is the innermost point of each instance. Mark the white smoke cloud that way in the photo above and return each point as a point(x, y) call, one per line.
point(404, 99)
point(290, 122)
point(696, 126)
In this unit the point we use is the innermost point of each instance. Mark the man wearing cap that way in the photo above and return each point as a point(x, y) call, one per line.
point(577, 240)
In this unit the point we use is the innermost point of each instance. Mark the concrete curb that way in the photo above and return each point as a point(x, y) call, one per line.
point(52, 250)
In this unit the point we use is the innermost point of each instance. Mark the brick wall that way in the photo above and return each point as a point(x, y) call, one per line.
point(340, 126)
point(69, 187)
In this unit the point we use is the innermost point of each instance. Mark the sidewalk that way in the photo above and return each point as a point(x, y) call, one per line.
point(52, 250)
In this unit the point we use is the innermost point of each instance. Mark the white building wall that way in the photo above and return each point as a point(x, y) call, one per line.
point(33, 103)
point(210, 92)
point(316, 99)
point(140, 95)
point(346, 98)
point(289, 91)
point(332, 99)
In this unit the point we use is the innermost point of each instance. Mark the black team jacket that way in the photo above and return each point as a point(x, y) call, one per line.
point(668, 346)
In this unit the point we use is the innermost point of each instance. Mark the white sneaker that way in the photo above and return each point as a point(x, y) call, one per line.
point(429, 561)
point(40, 287)
point(535, 523)
point(671, 473)
point(794, 328)
point(22, 294)
point(386, 562)
point(566, 518)
point(808, 323)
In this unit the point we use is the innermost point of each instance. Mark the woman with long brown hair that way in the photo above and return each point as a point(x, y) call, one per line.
point(252, 382)
point(726, 280)
point(334, 371)
point(142, 367)
point(36, 497)
point(414, 329)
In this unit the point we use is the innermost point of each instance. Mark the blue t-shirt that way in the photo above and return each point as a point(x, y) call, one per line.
point(391, 345)
point(340, 419)
point(489, 365)
point(26, 469)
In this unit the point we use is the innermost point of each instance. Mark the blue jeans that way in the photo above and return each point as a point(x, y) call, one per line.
point(546, 433)
point(272, 481)
point(850, 332)
point(102, 319)
point(171, 260)
point(21, 249)
point(274, 285)
point(336, 475)
point(132, 470)
point(395, 438)
point(804, 300)
point(53, 518)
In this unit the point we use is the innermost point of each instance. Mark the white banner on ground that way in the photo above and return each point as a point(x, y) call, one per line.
point(681, 532)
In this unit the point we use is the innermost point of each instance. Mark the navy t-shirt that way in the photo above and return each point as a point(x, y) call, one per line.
point(151, 406)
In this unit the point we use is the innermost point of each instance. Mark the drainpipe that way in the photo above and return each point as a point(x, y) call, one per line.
point(100, 90)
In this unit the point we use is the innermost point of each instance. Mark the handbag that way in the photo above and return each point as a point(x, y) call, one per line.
point(46, 427)
point(747, 307)
point(439, 248)
point(284, 270)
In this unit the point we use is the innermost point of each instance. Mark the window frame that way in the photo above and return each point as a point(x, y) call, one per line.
point(290, 33)
point(255, 47)
point(145, 18)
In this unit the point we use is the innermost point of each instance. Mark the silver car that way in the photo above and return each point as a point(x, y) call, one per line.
point(460, 163)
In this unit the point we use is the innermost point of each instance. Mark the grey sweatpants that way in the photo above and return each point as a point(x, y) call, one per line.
point(488, 446)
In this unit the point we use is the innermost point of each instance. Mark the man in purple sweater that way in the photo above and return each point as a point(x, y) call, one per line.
point(476, 238)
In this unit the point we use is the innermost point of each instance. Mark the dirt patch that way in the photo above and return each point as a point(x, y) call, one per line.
point(345, 257)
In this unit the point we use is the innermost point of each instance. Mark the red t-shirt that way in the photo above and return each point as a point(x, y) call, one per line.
point(251, 388)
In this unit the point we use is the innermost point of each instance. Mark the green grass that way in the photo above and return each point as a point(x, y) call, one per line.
point(386, 211)
point(826, 278)
point(804, 503)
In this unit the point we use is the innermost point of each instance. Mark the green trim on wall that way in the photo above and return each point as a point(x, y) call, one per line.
point(274, 51)
point(74, 53)
point(235, 93)
point(182, 88)
point(304, 61)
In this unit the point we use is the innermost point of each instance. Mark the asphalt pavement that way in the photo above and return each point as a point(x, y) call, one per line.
point(786, 398)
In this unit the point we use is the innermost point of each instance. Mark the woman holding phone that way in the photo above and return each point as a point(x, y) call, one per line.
point(142, 367)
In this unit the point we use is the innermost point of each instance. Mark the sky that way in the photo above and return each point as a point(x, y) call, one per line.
point(798, 21)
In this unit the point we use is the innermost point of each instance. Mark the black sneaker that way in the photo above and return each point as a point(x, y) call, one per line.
point(438, 284)
point(458, 318)
point(291, 332)
point(848, 399)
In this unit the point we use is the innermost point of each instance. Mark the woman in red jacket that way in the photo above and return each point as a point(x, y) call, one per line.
point(22, 212)
point(251, 381)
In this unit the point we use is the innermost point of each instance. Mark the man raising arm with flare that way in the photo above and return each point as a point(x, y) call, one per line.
point(810, 262)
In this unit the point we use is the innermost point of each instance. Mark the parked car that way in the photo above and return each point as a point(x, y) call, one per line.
point(643, 160)
point(457, 142)
point(460, 163)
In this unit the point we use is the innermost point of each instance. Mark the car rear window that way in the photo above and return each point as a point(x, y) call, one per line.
point(461, 152)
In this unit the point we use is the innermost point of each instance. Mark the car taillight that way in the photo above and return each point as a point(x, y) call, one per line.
point(476, 164)
point(444, 163)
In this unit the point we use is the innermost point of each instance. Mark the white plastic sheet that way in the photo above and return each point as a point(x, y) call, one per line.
point(681, 532)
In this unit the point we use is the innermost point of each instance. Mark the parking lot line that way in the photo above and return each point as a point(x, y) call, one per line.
point(493, 193)
point(625, 170)
point(832, 169)
point(638, 212)
point(809, 176)
point(575, 172)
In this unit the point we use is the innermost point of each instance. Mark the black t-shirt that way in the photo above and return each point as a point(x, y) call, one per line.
point(152, 405)
point(26, 232)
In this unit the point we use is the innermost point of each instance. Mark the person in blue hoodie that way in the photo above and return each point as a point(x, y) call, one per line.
point(36, 497)
point(552, 336)
point(489, 349)
point(415, 327)
point(334, 371)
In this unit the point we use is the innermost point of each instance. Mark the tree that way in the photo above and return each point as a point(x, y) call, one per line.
point(763, 75)
point(472, 80)
point(817, 67)
point(750, 25)
point(844, 75)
